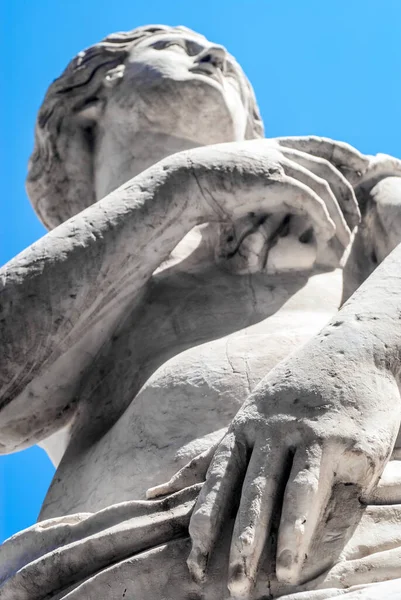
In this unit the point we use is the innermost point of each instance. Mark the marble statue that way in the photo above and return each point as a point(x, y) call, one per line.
point(207, 342)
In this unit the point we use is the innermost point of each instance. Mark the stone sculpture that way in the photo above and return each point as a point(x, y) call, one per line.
point(181, 318)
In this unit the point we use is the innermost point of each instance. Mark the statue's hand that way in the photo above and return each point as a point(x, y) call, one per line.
point(316, 427)
point(359, 169)
point(270, 176)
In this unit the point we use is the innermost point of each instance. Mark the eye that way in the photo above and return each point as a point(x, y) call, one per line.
point(176, 45)
point(193, 48)
point(159, 45)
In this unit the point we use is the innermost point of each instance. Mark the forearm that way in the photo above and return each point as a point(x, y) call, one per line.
point(91, 266)
point(64, 295)
point(369, 323)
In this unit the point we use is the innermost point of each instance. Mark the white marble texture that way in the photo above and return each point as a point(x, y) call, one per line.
point(183, 322)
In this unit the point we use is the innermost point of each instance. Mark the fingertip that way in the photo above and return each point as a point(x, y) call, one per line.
point(287, 568)
point(155, 492)
point(239, 584)
point(197, 563)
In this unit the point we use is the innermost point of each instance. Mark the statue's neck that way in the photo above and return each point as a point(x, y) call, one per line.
point(119, 156)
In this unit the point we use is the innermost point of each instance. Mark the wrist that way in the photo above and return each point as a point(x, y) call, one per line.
point(360, 341)
point(169, 188)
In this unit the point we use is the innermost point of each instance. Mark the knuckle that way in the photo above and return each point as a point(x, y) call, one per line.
point(360, 465)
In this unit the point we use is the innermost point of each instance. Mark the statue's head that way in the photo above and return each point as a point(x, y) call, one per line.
point(168, 85)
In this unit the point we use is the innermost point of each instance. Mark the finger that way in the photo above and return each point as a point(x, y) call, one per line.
point(215, 499)
point(339, 185)
point(359, 169)
point(306, 495)
point(253, 521)
point(380, 166)
point(298, 198)
point(380, 566)
point(388, 490)
point(190, 474)
point(345, 157)
point(263, 187)
point(323, 190)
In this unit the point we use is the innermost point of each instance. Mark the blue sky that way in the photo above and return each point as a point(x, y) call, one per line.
point(329, 68)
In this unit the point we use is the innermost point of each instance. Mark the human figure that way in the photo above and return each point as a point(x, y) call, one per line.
point(169, 292)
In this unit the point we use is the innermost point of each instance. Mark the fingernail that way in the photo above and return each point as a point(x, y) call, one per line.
point(285, 559)
point(153, 492)
point(197, 565)
point(286, 568)
point(239, 584)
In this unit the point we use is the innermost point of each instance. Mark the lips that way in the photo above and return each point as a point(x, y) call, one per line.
point(209, 70)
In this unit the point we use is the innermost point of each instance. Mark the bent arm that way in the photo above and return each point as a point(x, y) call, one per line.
point(63, 297)
point(68, 290)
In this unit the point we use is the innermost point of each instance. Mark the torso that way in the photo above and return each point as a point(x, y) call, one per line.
point(234, 336)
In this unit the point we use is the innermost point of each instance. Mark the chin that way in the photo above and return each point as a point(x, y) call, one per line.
point(199, 109)
point(217, 110)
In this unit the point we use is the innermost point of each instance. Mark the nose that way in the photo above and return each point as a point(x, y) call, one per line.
point(215, 55)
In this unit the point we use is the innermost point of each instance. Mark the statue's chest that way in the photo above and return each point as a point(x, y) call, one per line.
point(197, 392)
point(200, 390)
point(178, 413)
point(183, 407)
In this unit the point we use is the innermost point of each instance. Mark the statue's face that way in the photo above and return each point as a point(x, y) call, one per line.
point(182, 84)
point(125, 104)
point(174, 89)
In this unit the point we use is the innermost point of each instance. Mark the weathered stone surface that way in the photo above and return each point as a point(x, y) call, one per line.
point(181, 323)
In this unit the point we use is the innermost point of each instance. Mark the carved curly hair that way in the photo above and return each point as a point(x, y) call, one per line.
point(60, 171)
